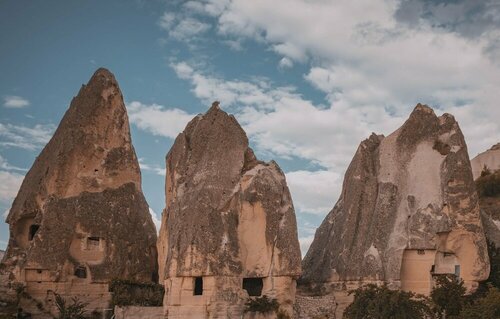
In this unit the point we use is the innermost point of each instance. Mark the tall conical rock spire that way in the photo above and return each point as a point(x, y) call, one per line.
point(228, 216)
point(408, 210)
point(80, 206)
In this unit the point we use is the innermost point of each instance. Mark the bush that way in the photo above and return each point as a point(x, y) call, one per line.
point(448, 295)
point(486, 307)
point(262, 305)
point(132, 293)
point(75, 310)
point(374, 302)
point(488, 185)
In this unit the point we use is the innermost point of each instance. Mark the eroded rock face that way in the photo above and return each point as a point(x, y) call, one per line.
point(408, 211)
point(228, 217)
point(490, 205)
point(489, 159)
point(80, 218)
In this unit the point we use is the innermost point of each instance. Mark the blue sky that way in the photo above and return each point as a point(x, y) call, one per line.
point(308, 80)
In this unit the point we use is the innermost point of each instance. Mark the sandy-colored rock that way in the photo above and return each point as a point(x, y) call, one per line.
point(489, 159)
point(408, 211)
point(228, 217)
point(80, 218)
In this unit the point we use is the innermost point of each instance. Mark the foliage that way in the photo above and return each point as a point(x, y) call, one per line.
point(486, 307)
point(448, 295)
point(494, 278)
point(488, 184)
point(75, 310)
point(132, 293)
point(262, 305)
point(374, 302)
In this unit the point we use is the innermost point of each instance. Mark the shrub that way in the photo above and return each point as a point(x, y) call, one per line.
point(448, 295)
point(132, 293)
point(374, 302)
point(262, 305)
point(75, 310)
point(488, 185)
point(486, 307)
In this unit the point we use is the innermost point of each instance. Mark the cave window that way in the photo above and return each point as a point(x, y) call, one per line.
point(457, 270)
point(433, 269)
point(33, 229)
point(93, 243)
point(253, 286)
point(421, 252)
point(198, 286)
point(81, 272)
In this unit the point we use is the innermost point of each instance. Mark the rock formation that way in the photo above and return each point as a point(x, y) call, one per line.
point(408, 211)
point(80, 218)
point(228, 230)
point(489, 203)
point(489, 159)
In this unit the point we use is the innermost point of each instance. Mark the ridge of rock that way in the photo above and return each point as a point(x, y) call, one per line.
point(228, 216)
point(80, 218)
point(409, 192)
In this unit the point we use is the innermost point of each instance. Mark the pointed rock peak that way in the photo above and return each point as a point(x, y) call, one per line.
point(422, 110)
point(215, 105)
point(102, 79)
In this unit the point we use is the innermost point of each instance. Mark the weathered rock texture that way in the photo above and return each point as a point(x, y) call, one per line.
point(490, 205)
point(80, 218)
point(228, 216)
point(489, 159)
point(408, 211)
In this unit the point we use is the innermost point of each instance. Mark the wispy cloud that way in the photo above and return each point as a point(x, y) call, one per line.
point(152, 167)
point(156, 219)
point(29, 138)
point(157, 119)
point(15, 102)
point(4, 164)
point(9, 186)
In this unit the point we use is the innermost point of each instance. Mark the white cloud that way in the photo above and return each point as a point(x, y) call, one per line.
point(285, 63)
point(9, 186)
point(152, 168)
point(166, 20)
point(4, 164)
point(157, 119)
point(156, 219)
point(15, 102)
point(313, 191)
point(29, 138)
point(305, 242)
point(362, 57)
point(188, 28)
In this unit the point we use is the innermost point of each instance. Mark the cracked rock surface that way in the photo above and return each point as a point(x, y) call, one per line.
point(410, 191)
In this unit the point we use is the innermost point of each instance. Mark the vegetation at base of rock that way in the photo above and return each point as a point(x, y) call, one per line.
point(374, 302)
point(485, 307)
point(133, 293)
point(448, 295)
point(488, 184)
point(262, 304)
point(73, 310)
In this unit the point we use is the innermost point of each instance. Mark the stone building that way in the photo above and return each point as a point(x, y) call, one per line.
point(228, 229)
point(408, 211)
point(80, 218)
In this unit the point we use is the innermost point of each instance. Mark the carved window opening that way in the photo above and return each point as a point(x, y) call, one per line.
point(32, 231)
point(421, 252)
point(433, 269)
point(93, 243)
point(253, 286)
point(81, 272)
point(198, 286)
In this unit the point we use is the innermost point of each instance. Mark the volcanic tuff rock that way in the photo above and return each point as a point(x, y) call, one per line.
point(408, 209)
point(227, 214)
point(489, 158)
point(490, 205)
point(80, 211)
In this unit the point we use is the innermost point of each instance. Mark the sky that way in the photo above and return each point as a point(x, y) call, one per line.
point(307, 79)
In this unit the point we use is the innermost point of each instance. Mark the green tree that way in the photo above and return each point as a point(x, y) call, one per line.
point(75, 310)
point(485, 307)
point(448, 296)
point(374, 302)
